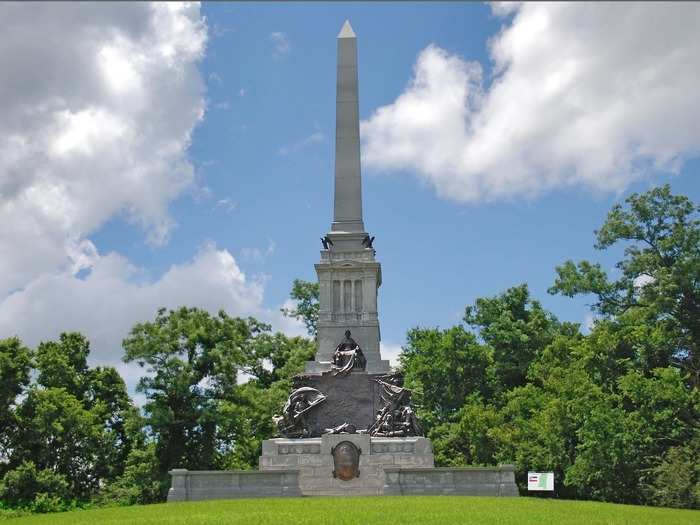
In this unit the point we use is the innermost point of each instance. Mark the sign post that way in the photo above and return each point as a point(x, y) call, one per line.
point(540, 481)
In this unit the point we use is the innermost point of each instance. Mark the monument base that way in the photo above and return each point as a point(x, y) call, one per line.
point(308, 467)
point(313, 459)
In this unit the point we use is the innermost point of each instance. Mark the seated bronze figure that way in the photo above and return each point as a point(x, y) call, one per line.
point(347, 355)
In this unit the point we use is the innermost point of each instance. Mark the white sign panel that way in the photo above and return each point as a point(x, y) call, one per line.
point(540, 481)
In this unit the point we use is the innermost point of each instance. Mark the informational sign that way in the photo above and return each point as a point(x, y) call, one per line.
point(540, 481)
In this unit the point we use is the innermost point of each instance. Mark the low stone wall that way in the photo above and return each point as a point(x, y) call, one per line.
point(304, 467)
point(468, 481)
point(192, 485)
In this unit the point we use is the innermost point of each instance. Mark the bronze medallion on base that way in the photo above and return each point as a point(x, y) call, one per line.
point(346, 460)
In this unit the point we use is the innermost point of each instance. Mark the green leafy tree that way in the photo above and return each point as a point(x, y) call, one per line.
point(517, 328)
point(15, 368)
point(467, 440)
point(675, 482)
point(63, 363)
point(140, 483)
point(107, 399)
point(101, 390)
point(193, 358)
point(56, 432)
point(305, 294)
point(658, 276)
point(443, 367)
point(622, 441)
point(198, 413)
point(539, 424)
point(28, 487)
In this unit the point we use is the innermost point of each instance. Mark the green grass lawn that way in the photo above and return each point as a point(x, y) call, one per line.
point(380, 510)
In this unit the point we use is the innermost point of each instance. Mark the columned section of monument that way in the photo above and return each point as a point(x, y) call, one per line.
point(349, 278)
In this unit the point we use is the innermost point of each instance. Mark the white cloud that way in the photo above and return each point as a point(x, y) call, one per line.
point(242, 92)
point(315, 138)
point(584, 94)
point(281, 47)
point(227, 204)
point(258, 254)
point(114, 295)
point(642, 280)
point(589, 321)
point(221, 31)
point(98, 104)
point(391, 352)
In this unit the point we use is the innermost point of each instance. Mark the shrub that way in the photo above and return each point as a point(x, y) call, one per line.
point(26, 487)
point(676, 480)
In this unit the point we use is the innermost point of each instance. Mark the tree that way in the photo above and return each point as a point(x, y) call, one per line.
point(63, 363)
point(198, 413)
point(468, 439)
point(57, 433)
point(659, 279)
point(675, 482)
point(101, 390)
point(443, 367)
point(305, 295)
point(26, 486)
point(15, 367)
point(192, 357)
point(517, 328)
point(140, 482)
point(623, 440)
point(73, 421)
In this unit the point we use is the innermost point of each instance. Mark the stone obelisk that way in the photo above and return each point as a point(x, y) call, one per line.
point(347, 206)
point(348, 274)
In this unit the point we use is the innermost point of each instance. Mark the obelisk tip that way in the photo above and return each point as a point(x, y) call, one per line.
point(346, 31)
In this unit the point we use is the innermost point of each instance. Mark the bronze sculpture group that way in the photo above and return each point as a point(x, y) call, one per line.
point(395, 419)
point(292, 422)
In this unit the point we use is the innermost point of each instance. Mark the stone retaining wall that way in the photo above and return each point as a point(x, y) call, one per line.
point(468, 481)
point(192, 485)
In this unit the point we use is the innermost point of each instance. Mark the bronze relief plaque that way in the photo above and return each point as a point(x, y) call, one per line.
point(346, 460)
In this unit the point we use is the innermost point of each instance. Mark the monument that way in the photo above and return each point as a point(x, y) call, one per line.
point(348, 426)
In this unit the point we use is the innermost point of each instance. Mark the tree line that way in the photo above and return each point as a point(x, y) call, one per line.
point(614, 411)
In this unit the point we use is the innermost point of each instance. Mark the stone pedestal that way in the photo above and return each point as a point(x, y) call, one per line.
point(313, 460)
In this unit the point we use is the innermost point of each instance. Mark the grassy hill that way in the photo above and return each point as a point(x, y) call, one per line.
point(380, 510)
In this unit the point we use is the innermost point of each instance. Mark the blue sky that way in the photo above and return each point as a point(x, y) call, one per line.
point(567, 114)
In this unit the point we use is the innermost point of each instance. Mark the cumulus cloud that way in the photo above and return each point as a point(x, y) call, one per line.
point(258, 254)
point(315, 138)
point(280, 42)
point(390, 351)
point(114, 294)
point(583, 94)
point(98, 104)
